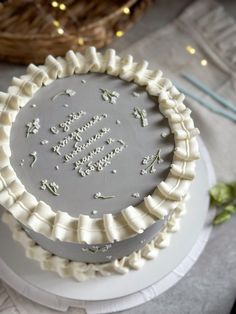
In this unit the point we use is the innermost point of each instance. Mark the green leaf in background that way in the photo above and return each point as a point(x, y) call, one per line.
point(222, 217)
point(231, 209)
point(223, 193)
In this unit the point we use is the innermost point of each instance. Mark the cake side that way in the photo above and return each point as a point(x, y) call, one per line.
point(86, 271)
point(132, 220)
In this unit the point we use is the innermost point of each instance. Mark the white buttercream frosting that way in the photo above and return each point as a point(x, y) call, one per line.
point(132, 220)
point(82, 271)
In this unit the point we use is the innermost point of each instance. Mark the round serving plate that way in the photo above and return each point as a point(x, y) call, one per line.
point(118, 292)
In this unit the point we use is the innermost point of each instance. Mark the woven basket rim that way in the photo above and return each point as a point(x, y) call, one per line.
point(44, 36)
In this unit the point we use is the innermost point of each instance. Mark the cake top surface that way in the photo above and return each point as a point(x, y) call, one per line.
point(87, 157)
point(141, 154)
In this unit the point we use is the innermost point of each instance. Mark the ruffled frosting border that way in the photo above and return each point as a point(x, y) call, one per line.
point(83, 271)
point(132, 220)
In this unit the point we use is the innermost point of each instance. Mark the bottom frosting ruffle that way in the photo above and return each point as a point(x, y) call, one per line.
point(82, 271)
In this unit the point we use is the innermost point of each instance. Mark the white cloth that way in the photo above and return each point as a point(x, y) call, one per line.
point(206, 27)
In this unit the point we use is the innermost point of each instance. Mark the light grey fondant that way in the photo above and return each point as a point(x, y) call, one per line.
point(76, 192)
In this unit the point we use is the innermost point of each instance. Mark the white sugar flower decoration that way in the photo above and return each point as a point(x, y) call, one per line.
point(150, 161)
point(99, 195)
point(141, 114)
point(67, 92)
point(32, 127)
point(110, 96)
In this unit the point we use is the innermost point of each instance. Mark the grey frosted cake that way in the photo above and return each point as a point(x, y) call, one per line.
point(97, 156)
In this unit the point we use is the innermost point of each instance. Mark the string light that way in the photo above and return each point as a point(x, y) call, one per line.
point(80, 41)
point(204, 62)
point(54, 4)
point(56, 23)
point(191, 50)
point(60, 31)
point(119, 33)
point(62, 7)
point(126, 10)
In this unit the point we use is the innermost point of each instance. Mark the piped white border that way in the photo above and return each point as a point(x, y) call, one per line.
point(82, 271)
point(132, 220)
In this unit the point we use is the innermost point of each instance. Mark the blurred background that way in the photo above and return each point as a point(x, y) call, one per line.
point(30, 30)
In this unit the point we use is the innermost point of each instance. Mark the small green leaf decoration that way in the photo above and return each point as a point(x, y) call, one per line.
point(222, 193)
point(221, 217)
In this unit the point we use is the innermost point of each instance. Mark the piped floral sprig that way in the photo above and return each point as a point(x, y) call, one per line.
point(32, 127)
point(96, 248)
point(52, 187)
point(142, 115)
point(66, 92)
point(99, 195)
point(150, 161)
point(110, 96)
point(223, 197)
point(34, 155)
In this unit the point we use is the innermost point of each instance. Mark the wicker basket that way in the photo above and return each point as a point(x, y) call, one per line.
point(30, 30)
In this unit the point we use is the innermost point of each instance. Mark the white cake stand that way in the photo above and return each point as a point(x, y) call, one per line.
point(116, 293)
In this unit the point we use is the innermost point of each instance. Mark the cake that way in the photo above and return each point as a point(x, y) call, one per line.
point(97, 156)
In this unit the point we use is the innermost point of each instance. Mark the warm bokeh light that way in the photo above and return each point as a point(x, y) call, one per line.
point(54, 4)
point(80, 41)
point(191, 50)
point(126, 10)
point(204, 62)
point(60, 31)
point(56, 23)
point(62, 7)
point(119, 33)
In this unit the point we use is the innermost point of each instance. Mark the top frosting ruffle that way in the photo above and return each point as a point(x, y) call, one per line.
point(132, 220)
